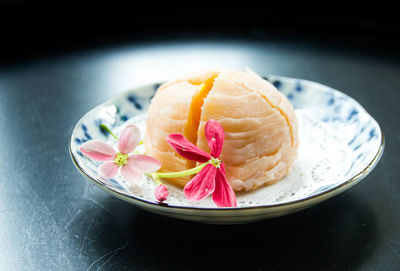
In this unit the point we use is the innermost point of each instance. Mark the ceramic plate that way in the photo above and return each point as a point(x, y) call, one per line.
point(340, 143)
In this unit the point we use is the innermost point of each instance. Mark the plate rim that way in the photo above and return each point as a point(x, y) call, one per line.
point(328, 193)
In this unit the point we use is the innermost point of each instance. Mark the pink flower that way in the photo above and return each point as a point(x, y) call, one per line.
point(211, 179)
point(161, 192)
point(132, 166)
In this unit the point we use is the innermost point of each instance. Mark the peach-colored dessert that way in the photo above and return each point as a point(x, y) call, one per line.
point(260, 125)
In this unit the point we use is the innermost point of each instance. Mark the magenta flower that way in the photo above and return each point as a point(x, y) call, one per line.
point(161, 192)
point(132, 166)
point(211, 179)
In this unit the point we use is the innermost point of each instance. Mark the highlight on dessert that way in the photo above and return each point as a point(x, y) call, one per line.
point(211, 133)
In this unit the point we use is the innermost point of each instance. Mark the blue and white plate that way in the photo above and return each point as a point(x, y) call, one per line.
point(340, 143)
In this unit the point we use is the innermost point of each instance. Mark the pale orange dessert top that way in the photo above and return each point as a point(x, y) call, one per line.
point(261, 137)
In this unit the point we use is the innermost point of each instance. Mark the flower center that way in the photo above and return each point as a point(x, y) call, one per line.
point(121, 159)
point(215, 162)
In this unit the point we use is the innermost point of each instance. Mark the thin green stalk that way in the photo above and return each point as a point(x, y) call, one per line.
point(155, 178)
point(104, 127)
point(183, 173)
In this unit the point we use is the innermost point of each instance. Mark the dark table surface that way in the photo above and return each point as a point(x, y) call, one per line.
point(52, 218)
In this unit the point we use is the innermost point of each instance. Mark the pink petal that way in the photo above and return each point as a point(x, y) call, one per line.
point(144, 163)
point(98, 150)
point(215, 136)
point(202, 185)
point(108, 170)
point(223, 194)
point(131, 174)
point(129, 139)
point(161, 192)
point(187, 149)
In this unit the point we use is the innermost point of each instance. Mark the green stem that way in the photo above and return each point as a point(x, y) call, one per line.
point(155, 178)
point(104, 127)
point(178, 174)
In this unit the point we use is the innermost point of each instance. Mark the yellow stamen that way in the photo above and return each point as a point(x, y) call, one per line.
point(121, 159)
point(215, 162)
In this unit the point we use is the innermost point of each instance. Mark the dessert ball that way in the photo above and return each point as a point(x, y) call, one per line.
point(261, 137)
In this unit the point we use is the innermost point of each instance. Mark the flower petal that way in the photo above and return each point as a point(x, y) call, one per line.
point(223, 195)
point(187, 149)
point(108, 170)
point(215, 136)
point(202, 185)
point(129, 139)
point(131, 174)
point(161, 192)
point(98, 150)
point(144, 163)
